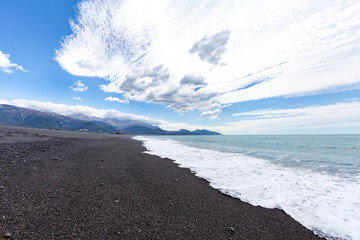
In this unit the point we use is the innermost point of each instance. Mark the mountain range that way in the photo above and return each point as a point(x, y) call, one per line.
point(25, 117)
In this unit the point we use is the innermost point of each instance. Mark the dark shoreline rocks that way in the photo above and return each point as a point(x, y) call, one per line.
point(104, 187)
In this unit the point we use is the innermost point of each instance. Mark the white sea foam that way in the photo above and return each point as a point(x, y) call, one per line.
point(328, 205)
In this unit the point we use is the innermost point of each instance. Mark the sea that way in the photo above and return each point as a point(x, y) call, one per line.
point(314, 178)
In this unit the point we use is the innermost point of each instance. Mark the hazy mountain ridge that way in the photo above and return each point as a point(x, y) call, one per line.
point(25, 117)
point(158, 131)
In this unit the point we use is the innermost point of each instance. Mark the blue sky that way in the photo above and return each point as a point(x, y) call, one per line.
point(238, 68)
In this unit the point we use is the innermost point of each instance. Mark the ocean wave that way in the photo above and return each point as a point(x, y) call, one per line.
point(327, 204)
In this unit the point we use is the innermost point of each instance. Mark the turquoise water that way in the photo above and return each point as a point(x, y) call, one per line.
point(313, 178)
point(334, 154)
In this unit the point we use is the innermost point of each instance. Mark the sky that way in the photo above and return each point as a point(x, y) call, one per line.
point(237, 67)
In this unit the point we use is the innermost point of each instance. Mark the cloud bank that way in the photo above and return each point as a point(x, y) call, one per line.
point(306, 119)
point(78, 109)
point(7, 66)
point(202, 55)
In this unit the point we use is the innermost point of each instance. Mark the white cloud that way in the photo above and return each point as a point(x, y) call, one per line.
point(79, 87)
point(240, 50)
point(7, 66)
point(211, 114)
point(115, 99)
point(211, 48)
point(77, 98)
point(307, 119)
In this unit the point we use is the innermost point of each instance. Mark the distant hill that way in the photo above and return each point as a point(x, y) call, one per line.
point(158, 131)
point(25, 117)
point(18, 116)
point(204, 132)
point(142, 130)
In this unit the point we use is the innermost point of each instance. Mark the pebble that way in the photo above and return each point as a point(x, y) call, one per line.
point(7, 235)
point(55, 158)
point(231, 229)
point(101, 184)
point(117, 201)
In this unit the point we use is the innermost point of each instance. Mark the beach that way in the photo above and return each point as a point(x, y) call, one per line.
point(71, 185)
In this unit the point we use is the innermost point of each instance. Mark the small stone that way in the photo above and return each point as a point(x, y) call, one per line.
point(55, 158)
point(231, 229)
point(2, 187)
point(7, 235)
point(117, 201)
point(176, 180)
point(43, 150)
point(35, 168)
point(101, 184)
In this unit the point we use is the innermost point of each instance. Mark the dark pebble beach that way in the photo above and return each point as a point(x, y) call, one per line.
point(70, 185)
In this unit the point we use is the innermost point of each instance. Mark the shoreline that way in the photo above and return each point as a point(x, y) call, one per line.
point(59, 184)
